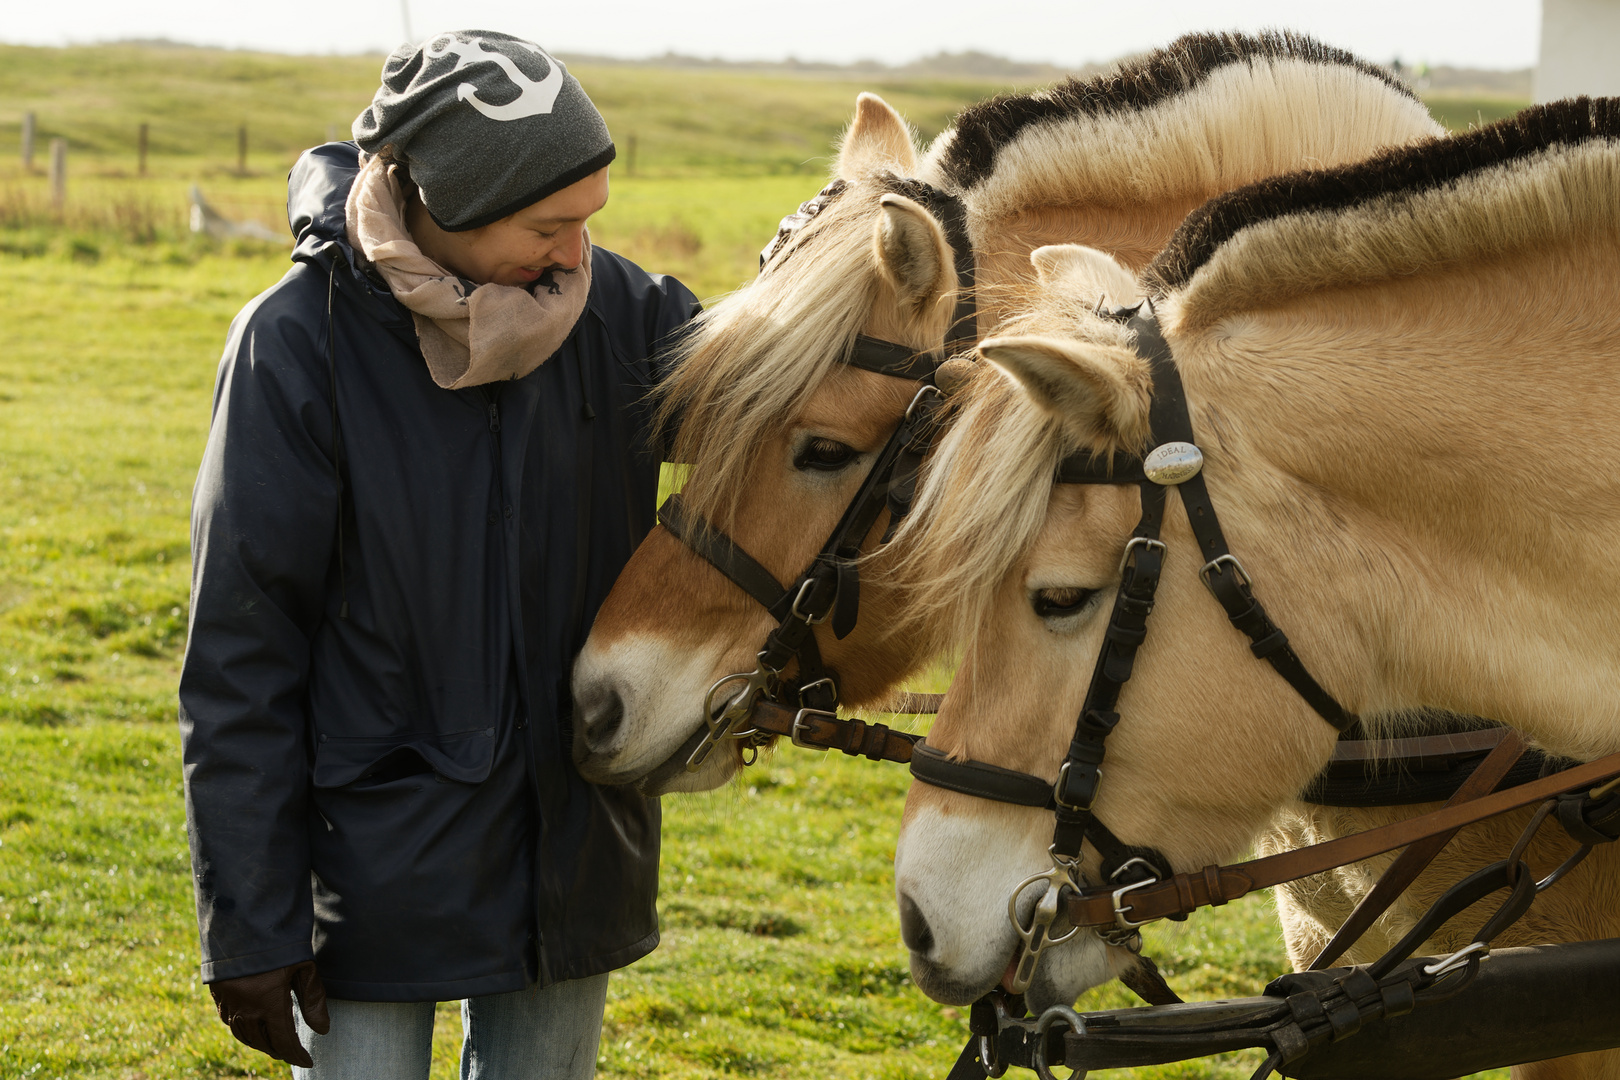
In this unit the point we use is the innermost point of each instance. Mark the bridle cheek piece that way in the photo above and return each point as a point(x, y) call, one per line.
point(1175, 461)
point(828, 591)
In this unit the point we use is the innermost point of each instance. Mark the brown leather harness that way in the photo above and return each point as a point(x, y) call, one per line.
point(1140, 887)
point(758, 706)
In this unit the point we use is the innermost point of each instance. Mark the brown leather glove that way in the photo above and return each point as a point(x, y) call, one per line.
point(258, 1010)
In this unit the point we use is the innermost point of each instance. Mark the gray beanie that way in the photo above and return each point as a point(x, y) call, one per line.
point(487, 124)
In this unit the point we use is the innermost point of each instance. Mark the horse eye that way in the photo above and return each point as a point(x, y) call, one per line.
point(1056, 603)
point(824, 454)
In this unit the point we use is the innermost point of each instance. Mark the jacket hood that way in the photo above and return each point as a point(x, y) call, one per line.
point(317, 191)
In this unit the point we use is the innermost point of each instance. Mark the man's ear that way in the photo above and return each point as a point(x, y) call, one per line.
point(1080, 271)
point(913, 253)
point(1099, 393)
point(878, 139)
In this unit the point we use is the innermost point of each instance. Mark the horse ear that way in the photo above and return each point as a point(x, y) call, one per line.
point(1099, 393)
point(913, 253)
point(879, 138)
point(1084, 271)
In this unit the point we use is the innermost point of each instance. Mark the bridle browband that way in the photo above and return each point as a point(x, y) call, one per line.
point(1174, 462)
point(828, 590)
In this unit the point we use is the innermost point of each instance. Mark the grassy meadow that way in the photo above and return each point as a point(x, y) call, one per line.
point(781, 956)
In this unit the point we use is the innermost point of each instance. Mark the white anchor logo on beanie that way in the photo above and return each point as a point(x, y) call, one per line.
point(534, 98)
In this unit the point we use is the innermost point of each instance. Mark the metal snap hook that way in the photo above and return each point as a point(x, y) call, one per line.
point(723, 722)
point(1036, 937)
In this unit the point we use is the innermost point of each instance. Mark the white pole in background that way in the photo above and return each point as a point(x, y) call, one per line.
point(405, 15)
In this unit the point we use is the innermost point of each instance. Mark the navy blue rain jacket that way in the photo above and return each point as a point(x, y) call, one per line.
point(374, 711)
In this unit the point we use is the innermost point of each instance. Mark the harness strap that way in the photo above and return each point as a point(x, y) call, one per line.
point(978, 778)
point(1214, 885)
point(739, 567)
point(893, 359)
point(1411, 862)
point(1221, 573)
point(816, 729)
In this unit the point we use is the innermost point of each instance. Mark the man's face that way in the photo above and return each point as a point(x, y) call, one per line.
point(516, 250)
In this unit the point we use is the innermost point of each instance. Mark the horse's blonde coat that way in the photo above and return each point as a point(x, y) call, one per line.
point(1407, 403)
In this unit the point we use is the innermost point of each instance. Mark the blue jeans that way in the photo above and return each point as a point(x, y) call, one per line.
point(543, 1033)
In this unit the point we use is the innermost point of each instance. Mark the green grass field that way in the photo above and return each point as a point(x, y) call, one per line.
point(781, 955)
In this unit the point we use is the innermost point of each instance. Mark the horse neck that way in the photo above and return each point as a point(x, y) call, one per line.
point(1420, 476)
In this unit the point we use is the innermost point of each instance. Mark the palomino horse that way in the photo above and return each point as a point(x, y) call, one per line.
point(779, 433)
point(1404, 377)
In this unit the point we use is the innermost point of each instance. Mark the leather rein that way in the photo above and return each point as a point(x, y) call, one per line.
point(749, 707)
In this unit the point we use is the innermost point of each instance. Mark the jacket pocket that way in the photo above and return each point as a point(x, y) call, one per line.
point(464, 756)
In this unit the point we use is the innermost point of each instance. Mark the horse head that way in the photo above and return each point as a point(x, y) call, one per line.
point(780, 433)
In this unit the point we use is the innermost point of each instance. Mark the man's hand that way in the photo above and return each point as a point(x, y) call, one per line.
point(258, 1010)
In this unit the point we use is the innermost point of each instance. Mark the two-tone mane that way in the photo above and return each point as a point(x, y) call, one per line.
point(1115, 160)
point(1545, 175)
point(1203, 115)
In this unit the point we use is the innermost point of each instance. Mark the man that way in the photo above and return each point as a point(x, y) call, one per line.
point(429, 459)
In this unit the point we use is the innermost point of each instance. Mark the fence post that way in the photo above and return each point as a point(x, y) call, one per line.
point(141, 145)
point(630, 165)
point(58, 172)
point(28, 142)
point(241, 150)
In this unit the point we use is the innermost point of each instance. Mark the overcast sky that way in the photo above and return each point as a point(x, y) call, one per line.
point(1475, 33)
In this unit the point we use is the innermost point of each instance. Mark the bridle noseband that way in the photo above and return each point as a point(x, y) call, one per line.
point(1174, 462)
point(828, 590)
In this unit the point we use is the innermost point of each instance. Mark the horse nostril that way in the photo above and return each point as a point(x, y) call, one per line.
point(914, 927)
point(602, 718)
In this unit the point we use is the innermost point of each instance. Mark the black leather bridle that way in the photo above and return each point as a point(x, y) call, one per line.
point(1174, 462)
point(829, 588)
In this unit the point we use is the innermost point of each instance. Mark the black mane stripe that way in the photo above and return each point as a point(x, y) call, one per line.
point(1407, 170)
point(983, 129)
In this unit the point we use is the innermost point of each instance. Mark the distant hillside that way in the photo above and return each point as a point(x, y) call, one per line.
point(672, 115)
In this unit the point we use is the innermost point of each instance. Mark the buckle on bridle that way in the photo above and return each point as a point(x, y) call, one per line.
point(1142, 542)
point(799, 726)
point(1059, 788)
point(1119, 910)
point(804, 592)
point(1217, 565)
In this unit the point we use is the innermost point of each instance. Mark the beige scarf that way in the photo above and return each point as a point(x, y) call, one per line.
point(490, 334)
